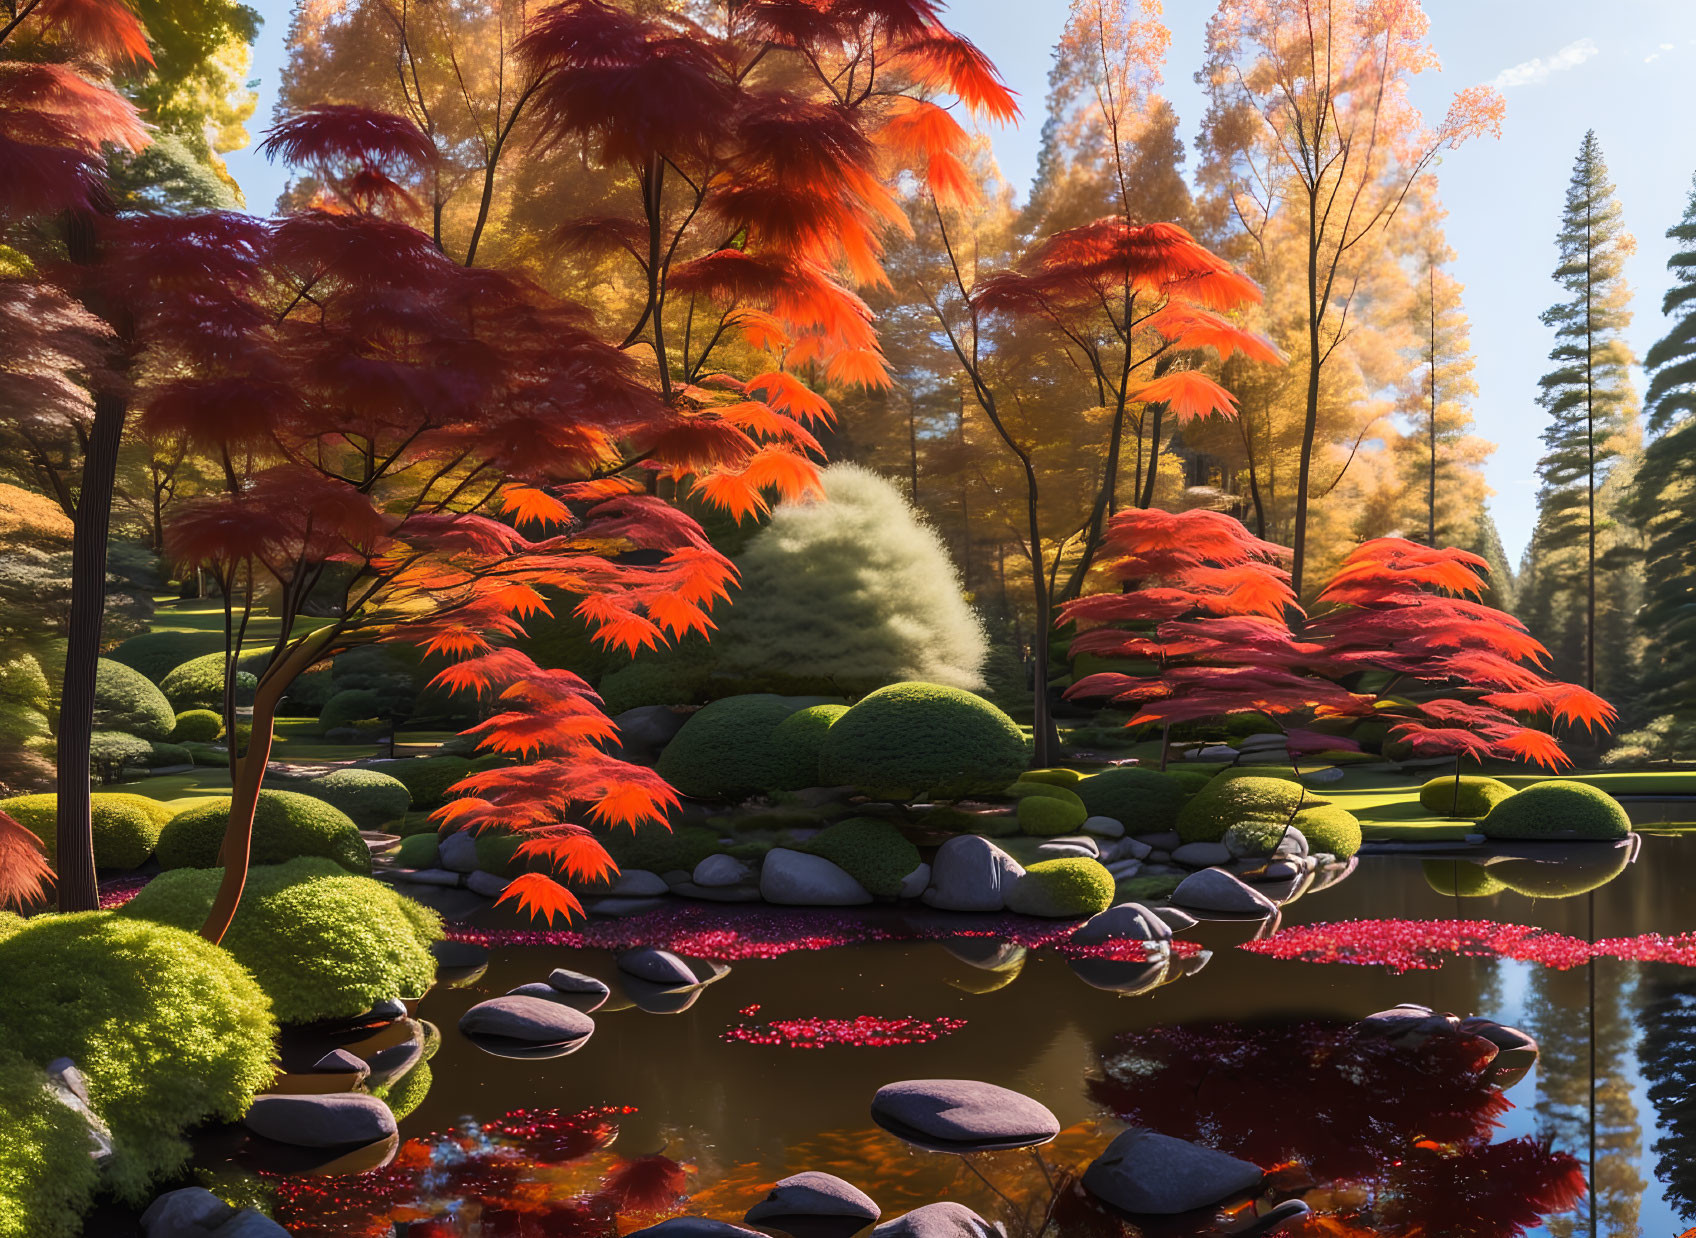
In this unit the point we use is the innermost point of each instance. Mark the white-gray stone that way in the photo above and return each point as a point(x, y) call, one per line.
point(459, 852)
point(944, 1220)
point(657, 967)
point(1202, 855)
point(970, 873)
point(1292, 844)
point(1064, 851)
point(1106, 827)
point(1213, 889)
point(1124, 922)
point(532, 1020)
point(584, 992)
point(962, 1115)
point(795, 878)
point(814, 1194)
point(1124, 870)
point(915, 883)
point(720, 870)
point(1125, 849)
point(638, 883)
point(1148, 1173)
point(1329, 773)
point(1213, 752)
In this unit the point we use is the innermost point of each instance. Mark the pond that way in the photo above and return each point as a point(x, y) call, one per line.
point(1237, 1054)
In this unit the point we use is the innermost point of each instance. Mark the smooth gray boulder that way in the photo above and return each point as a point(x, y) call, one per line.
point(1124, 922)
point(320, 1120)
point(657, 967)
point(486, 884)
point(1215, 890)
point(1145, 1172)
point(944, 1220)
point(970, 873)
point(638, 883)
point(1105, 827)
point(646, 729)
point(797, 879)
point(1176, 917)
point(962, 1115)
point(529, 1020)
point(694, 1227)
point(192, 1210)
point(720, 870)
point(1202, 855)
point(814, 1194)
point(458, 852)
point(584, 992)
point(915, 883)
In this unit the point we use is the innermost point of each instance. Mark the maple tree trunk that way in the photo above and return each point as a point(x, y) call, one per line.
point(1045, 739)
point(78, 887)
point(1310, 423)
point(247, 777)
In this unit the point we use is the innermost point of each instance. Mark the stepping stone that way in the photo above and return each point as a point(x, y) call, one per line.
point(694, 1227)
point(1217, 891)
point(1144, 1172)
point(944, 1220)
point(657, 967)
point(584, 992)
point(962, 1115)
point(519, 1022)
point(814, 1194)
point(320, 1120)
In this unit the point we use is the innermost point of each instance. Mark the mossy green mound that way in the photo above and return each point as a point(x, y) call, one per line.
point(126, 700)
point(1048, 815)
point(1256, 836)
point(1330, 828)
point(873, 852)
point(659, 850)
point(798, 745)
point(351, 706)
point(197, 726)
point(157, 654)
point(1232, 798)
point(1557, 809)
point(915, 740)
point(427, 779)
point(126, 827)
point(321, 942)
point(1460, 879)
point(168, 1029)
point(726, 750)
point(1470, 795)
point(1145, 801)
point(47, 1178)
point(419, 851)
point(286, 825)
point(199, 682)
point(1062, 889)
point(1059, 777)
point(371, 800)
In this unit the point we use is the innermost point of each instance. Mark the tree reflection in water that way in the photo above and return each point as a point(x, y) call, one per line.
point(1379, 1138)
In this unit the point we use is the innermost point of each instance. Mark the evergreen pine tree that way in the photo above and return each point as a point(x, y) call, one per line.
point(1485, 541)
point(1591, 403)
point(1665, 499)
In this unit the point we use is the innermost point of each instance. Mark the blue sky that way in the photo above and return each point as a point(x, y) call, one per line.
point(1625, 69)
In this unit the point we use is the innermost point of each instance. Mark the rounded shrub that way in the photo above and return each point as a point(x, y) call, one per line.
point(913, 740)
point(726, 750)
point(111, 752)
point(658, 849)
point(350, 706)
point(419, 851)
point(1062, 889)
point(160, 755)
point(126, 827)
point(872, 852)
point(285, 826)
point(798, 745)
point(1229, 799)
point(126, 700)
point(1048, 815)
point(1331, 829)
point(427, 779)
point(199, 682)
point(168, 1029)
point(197, 726)
point(1146, 801)
point(1256, 836)
point(47, 1178)
point(371, 800)
point(1557, 809)
point(210, 755)
point(1460, 879)
point(676, 676)
point(322, 943)
point(157, 654)
point(1470, 795)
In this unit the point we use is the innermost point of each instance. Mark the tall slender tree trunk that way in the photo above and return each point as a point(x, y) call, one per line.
point(1431, 481)
point(1310, 423)
point(1046, 739)
point(1590, 453)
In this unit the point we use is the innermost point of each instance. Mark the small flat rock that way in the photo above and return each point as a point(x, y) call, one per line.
point(192, 1210)
point(1145, 1172)
point(720, 870)
point(962, 1115)
point(970, 873)
point(1202, 855)
point(694, 1227)
point(459, 852)
point(393, 1061)
point(915, 883)
point(1282, 870)
point(529, 1020)
point(1213, 889)
point(1322, 776)
point(639, 883)
point(1126, 849)
point(320, 1120)
point(585, 992)
point(1064, 851)
point(434, 877)
point(1104, 827)
point(1291, 845)
point(1124, 870)
point(660, 967)
point(1091, 845)
point(486, 884)
point(814, 1194)
point(1124, 922)
point(585, 1002)
point(1167, 841)
point(944, 1220)
point(1213, 752)
point(797, 879)
point(339, 1062)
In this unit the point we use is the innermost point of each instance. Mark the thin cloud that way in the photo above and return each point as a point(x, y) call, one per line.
point(1537, 70)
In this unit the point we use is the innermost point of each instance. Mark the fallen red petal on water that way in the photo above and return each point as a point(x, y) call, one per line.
point(862, 1032)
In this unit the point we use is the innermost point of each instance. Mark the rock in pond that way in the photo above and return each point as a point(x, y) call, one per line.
point(1215, 890)
point(459, 852)
point(797, 879)
point(720, 870)
point(526, 1026)
point(1124, 922)
point(1516, 1052)
point(584, 992)
point(320, 1120)
point(944, 1220)
point(970, 873)
point(962, 1115)
point(694, 1227)
point(814, 1194)
point(656, 967)
point(194, 1212)
point(1145, 1172)
point(1176, 917)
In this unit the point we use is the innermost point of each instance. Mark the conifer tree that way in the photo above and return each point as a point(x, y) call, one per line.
point(1665, 499)
point(1589, 397)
